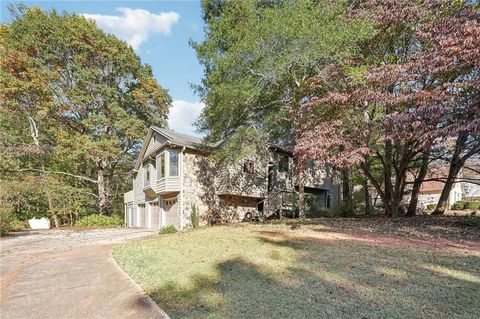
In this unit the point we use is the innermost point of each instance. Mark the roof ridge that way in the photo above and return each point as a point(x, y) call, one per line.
point(171, 133)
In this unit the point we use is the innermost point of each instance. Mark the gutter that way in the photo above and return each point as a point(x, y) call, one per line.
point(182, 152)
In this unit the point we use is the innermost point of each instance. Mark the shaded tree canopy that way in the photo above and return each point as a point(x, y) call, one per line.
point(75, 102)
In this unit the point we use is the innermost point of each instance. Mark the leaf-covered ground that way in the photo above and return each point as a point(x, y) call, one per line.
point(322, 268)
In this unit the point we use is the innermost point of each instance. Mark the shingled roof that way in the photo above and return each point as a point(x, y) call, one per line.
point(173, 138)
point(181, 139)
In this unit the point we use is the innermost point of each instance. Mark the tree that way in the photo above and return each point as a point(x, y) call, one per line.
point(257, 56)
point(87, 91)
point(415, 84)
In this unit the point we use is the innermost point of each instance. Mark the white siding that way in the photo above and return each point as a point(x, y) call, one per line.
point(168, 183)
point(155, 142)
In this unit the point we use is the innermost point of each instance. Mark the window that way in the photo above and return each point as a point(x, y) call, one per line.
point(161, 166)
point(248, 167)
point(173, 163)
point(146, 175)
point(283, 163)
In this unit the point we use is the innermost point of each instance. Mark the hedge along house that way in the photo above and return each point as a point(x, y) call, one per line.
point(174, 173)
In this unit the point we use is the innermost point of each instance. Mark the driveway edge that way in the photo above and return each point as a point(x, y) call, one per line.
point(147, 296)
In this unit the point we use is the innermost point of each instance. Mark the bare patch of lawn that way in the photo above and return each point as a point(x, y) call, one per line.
point(272, 271)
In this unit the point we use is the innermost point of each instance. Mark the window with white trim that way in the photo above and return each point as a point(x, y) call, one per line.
point(173, 164)
point(161, 165)
point(146, 175)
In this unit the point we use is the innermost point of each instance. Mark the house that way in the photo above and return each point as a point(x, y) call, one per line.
point(467, 186)
point(174, 173)
point(430, 192)
point(471, 179)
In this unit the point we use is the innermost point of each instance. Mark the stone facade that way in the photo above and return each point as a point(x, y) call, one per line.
point(220, 192)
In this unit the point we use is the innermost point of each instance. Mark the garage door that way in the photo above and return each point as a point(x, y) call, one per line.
point(130, 216)
point(171, 213)
point(141, 215)
point(154, 215)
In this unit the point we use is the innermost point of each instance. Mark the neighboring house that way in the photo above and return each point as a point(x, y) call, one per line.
point(471, 179)
point(175, 172)
point(430, 192)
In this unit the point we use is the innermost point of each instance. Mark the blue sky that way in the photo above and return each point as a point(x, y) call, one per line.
point(159, 32)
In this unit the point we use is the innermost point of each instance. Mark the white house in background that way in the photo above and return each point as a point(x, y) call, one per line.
point(174, 173)
point(430, 192)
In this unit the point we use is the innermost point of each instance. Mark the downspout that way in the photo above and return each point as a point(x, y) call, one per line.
point(182, 152)
point(125, 224)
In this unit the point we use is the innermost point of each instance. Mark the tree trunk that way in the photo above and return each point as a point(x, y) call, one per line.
point(390, 208)
point(417, 183)
point(102, 193)
point(346, 191)
point(301, 195)
point(368, 202)
point(455, 166)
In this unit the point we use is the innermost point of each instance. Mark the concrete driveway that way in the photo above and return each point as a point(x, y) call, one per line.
point(69, 274)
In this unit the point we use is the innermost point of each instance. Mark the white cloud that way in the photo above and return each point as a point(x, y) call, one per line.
point(136, 25)
point(182, 116)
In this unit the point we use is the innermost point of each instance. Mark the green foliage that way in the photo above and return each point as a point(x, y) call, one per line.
point(45, 196)
point(76, 102)
point(462, 204)
point(170, 229)
point(195, 217)
point(472, 205)
point(94, 221)
point(18, 224)
point(469, 221)
point(338, 211)
point(257, 57)
point(6, 219)
point(459, 205)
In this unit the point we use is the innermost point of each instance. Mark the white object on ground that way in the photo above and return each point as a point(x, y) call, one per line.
point(42, 223)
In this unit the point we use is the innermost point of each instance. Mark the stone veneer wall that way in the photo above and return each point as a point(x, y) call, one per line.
point(235, 207)
point(201, 181)
point(194, 188)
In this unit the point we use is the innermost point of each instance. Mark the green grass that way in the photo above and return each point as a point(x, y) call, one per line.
point(272, 271)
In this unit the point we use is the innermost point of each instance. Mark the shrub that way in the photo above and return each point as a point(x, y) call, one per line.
point(194, 217)
point(472, 205)
point(99, 221)
point(170, 229)
point(18, 224)
point(431, 206)
point(6, 219)
point(469, 221)
point(459, 205)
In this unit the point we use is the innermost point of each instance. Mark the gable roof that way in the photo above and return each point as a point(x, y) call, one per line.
point(173, 138)
point(179, 138)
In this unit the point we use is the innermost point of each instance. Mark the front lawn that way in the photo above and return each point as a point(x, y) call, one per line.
point(310, 271)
